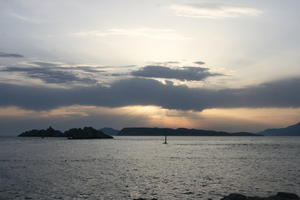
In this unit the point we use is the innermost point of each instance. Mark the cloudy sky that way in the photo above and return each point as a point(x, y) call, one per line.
point(226, 65)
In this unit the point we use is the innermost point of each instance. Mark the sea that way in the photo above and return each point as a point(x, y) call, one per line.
point(186, 168)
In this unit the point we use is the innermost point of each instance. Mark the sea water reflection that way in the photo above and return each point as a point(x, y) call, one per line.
point(133, 167)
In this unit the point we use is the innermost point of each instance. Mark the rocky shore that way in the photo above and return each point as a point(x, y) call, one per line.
point(278, 196)
point(236, 196)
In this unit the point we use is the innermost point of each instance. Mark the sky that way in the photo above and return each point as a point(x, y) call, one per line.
point(224, 65)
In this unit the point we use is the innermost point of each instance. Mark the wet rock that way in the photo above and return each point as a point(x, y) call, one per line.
point(234, 196)
point(278, 196)
point(188, 193)
point(286, 196)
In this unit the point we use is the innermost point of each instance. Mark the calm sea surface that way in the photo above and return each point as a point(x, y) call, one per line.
point(134, 167)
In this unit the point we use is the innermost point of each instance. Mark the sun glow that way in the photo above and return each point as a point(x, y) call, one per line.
point(238, 119)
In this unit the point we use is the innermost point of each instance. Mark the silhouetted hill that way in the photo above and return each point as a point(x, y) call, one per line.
point(110, 131)
point(86, 133)
point(293, 130)
point(74, 133)
point(244, 134)
point(177, 132)
point(50, 132)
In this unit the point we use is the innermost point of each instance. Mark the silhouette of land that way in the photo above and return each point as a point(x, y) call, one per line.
point(178, 132)
point(89, 132)
point(110, 131)
point(74, 133)
point(293, 130)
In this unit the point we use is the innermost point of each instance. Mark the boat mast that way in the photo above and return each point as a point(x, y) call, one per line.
point(165, 140)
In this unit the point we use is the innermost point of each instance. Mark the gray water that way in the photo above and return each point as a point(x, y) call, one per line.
point(135, 167)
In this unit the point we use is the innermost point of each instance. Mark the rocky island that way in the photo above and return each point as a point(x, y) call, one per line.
point(49, 132)
point(74, 133)
point(86, 133)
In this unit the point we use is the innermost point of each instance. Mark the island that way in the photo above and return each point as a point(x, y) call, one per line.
point(50, 132)
point(74, 133)
point(141, 131)
point(86, 133)
point(91, 133)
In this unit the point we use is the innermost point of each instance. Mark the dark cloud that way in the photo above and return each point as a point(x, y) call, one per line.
point(49, 75)
point(10, 55)
point(88, 69)
point(183, 74)
point(136, 91)
point(173, 62)
point(199, 62)
point(45, 64)
point(118, 74)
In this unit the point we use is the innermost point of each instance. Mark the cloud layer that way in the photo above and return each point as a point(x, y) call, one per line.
point(183, 74)
point(146, 32)
point(49, 76)
point(213, 11)
point(55, 73)
point(10, 55)
point(137, 91)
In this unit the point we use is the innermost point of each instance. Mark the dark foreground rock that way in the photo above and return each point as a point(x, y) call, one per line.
point(236, 196)
point(278, 196)
point(145, 199)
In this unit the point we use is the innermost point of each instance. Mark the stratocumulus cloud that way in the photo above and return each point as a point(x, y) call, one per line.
point(63, 66)
point(199, 62)
point(137, 91)
point(146, 32)
point(10, 55)
point(212, 11)
point(49, 75)
point(183, 74)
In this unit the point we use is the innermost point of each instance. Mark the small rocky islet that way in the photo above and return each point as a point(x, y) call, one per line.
point(74, 133)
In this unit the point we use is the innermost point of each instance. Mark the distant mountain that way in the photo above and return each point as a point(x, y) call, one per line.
point(74, 133)
point(177, 132)
point(110, 131)
point(293, 130)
